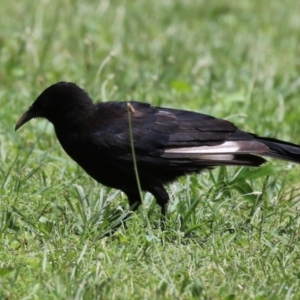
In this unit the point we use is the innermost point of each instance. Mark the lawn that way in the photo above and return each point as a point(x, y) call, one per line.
point(231, 233)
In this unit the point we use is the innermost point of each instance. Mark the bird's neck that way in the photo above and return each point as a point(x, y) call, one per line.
point(73, 123)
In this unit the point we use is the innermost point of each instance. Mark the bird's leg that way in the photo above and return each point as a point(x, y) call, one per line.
point(162, 199)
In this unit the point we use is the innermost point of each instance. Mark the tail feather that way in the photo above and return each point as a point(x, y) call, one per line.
point(281, 149)
point(234, 152)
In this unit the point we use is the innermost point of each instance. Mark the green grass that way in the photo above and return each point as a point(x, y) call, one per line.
point(231, 233)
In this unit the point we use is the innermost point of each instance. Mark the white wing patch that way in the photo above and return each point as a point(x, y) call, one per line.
point(215, 157)
point(236, 147)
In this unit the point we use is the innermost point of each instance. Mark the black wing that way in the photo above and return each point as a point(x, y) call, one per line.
point(173, 137)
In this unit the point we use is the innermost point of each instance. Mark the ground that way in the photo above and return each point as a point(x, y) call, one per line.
point(231, 233)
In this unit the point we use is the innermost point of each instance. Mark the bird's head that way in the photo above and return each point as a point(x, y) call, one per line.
point(57, 103)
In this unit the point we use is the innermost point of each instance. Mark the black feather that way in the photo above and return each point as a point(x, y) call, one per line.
point(168, 142)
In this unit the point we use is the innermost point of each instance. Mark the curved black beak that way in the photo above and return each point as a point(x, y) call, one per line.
point(27, 116)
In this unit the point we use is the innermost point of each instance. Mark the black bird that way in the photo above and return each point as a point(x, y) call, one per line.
point(168, 143)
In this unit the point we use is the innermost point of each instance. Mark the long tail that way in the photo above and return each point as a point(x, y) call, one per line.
point(246, 150)
point(281, 149)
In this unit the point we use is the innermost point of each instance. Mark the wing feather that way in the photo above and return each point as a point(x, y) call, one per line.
point(174, 137)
